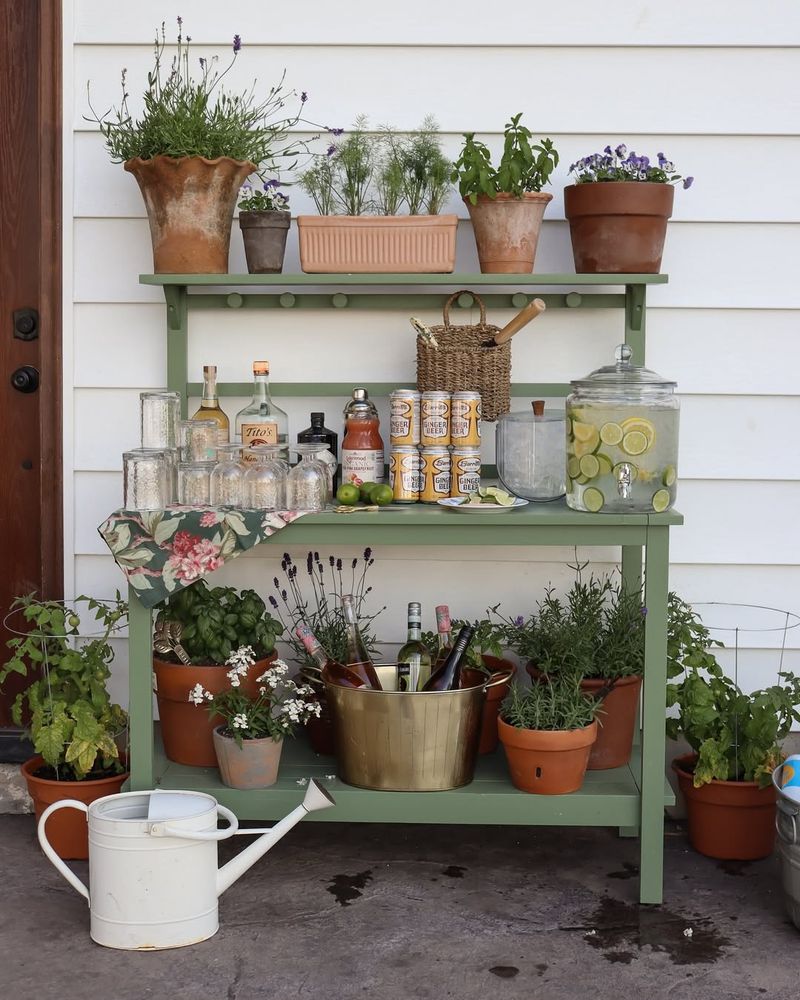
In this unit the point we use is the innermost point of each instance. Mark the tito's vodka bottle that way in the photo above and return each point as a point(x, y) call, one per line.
point(209, 405)
point(261, 421)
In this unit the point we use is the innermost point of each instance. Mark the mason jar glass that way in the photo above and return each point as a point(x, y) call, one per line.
point(160, 413)
point(147, 479)
point(194, 483)
point(227, 477)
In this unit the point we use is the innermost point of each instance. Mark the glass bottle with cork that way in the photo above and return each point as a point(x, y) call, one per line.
point(413, 659)
point(318, 433)
point(357, 658)
point(210, 409)
point(362, 447)
point(448, 676)
point(261, 421)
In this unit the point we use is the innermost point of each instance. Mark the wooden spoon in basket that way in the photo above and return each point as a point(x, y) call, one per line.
point(530, 312)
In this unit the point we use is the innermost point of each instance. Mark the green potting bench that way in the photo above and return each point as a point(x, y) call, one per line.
point(631, 798)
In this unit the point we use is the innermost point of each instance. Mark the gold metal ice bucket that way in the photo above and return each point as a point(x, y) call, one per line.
point(396, 741)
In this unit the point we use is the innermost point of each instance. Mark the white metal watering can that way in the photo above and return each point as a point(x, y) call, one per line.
point(153, 863)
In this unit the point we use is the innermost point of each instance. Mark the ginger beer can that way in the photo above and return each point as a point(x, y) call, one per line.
point(465, 425)
point(466, 472)
point(404, 426)
point(404, 473)
point(435, 409)
point(435, 473)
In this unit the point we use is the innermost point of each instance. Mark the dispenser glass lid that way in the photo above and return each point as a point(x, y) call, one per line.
point(623, 373)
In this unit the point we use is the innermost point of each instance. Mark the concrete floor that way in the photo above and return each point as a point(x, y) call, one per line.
point(346, 911)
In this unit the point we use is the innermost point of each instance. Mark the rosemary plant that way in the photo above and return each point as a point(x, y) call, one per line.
point(554, 705)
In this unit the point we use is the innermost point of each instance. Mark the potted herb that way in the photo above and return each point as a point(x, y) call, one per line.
point(595, 633)
point(506, 203)
point(74, 726)
point(547, 733)
point(361, 187)
point(264, 219)
point(618, 210)
point(191, 149)
point(196, 631)
point(735, 740)
point(249, 740)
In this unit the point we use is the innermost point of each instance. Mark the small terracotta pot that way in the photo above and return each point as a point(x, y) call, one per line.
point(190, 202)
point(730, 820)
point(67, 830)
point(617, 723)
point(187, 729)
point(507, 230)
point(494, 697)
point(377, 244)
point(253, 765)
point(264, 235)
point(618, 227)
point(545, 762)
point(320, 732)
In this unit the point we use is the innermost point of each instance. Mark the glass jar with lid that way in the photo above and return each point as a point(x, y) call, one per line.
point(622, 440)
point(530, 452)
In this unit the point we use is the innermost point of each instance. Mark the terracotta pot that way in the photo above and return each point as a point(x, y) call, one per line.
point(618, 227)
point(730, 820)
point(494, 698)
point(546, 762)
point(190, 203)
point(264, 235)
point(377, 244)
point(67, 830)
point(253, 765)
point(617, 723)
point(507, 230)
point(187, 729)
point(320, 732)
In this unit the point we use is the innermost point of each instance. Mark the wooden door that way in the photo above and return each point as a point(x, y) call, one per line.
point(30, 306)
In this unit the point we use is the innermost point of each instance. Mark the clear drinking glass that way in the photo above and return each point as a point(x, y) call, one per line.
point(227, 477)
point(265, 481)
point(194, 483)
point(147, 479)
point(198, 440)
point(160, 413)
point(307, 487)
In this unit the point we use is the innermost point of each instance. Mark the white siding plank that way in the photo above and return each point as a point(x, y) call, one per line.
point(120, 345)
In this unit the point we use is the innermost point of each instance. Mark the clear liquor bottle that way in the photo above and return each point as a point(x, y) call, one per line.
point(413, 659)
point(448, 676)
point(261, 421)
point(209, 405)
point(357, 659)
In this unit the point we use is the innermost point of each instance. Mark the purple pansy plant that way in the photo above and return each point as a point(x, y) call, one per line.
point(620, 164)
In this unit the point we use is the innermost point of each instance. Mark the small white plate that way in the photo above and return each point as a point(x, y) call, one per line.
point(453, 503)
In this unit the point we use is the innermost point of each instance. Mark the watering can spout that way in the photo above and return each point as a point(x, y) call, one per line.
point(316, 798)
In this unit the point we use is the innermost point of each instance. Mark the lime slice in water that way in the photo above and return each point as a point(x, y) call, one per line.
point(640, 424)
point(661, 499)
point(605, 464)
point(593, 499)
point(611, 433)
point(590, 467)
point(634, 443)
point(573, 467)
point(670, 476)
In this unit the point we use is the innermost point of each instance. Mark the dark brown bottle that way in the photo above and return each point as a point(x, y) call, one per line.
point(358, 659)
point(318, 433)
point(331, 671)
point(447, 677)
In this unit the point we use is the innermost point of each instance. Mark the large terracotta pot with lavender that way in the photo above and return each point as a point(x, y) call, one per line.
point(507, 230)
point(190, 202)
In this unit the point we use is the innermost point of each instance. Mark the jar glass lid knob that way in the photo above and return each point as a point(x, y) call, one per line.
point(623, 356)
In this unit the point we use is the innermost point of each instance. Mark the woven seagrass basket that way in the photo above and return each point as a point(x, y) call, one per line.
point(460, 363)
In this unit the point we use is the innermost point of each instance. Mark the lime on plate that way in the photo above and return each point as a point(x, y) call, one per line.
point(670, 476)
point(635, 443)
point(611, 433)
point(593, 499)
point(574, 467)
point(589, 466)
point(605, 464)
point(640, 424)
point(500, 496)
point(661, 499)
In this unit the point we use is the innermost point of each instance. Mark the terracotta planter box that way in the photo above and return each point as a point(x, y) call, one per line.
point(377, 244)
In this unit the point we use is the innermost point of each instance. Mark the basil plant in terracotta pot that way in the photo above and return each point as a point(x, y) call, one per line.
point(506, 203)
point(735, 740)
point(249, 740)
point(191, 149)
point(264, 218)
point(79, 734)
point(618, 209)
point(196, 631)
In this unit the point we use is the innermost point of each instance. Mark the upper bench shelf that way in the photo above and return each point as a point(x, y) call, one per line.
point(445, 280)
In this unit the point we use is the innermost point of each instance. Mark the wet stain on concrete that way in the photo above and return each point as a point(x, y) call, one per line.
point(503, 971)
point(541, 968)
point(621, 929)
point(628, 871)
point(455, 871)
point(346, 888)
point(734, 867)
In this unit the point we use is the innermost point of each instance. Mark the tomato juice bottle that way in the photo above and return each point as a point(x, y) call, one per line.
point(362, 447)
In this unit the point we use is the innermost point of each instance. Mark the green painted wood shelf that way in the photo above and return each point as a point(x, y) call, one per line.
point(631, 798)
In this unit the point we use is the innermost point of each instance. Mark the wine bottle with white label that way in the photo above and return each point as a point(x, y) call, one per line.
point(261, 421)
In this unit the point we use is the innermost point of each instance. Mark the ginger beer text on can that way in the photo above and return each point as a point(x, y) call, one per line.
point(466, 473)
point(404, 417)
point(465, 425)
point(435, 410)
point(435, 473)
point(404, 473)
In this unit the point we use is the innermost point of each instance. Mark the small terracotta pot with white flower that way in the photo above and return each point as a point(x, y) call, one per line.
point(249, 742)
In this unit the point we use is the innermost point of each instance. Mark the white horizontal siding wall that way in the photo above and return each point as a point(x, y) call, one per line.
point(713, 85)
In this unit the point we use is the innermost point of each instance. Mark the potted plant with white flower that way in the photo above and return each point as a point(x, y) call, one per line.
point(618, 210)
point(264, 218)
point(249, 742)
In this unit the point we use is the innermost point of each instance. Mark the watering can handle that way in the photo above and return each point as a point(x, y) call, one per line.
point(69, 875)
point(165, 830)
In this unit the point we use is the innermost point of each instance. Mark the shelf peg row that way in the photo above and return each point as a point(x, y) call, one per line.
point(287, 300)
point(339, 300)
point(519, 300)
point(234, 300)
point(573, 300)
point(465, 300)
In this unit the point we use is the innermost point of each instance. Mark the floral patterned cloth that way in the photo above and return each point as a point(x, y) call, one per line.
point(162, 551)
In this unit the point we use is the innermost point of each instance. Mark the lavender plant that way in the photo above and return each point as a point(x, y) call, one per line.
point(556, 705)
point(621, 165)
point(268, 199)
